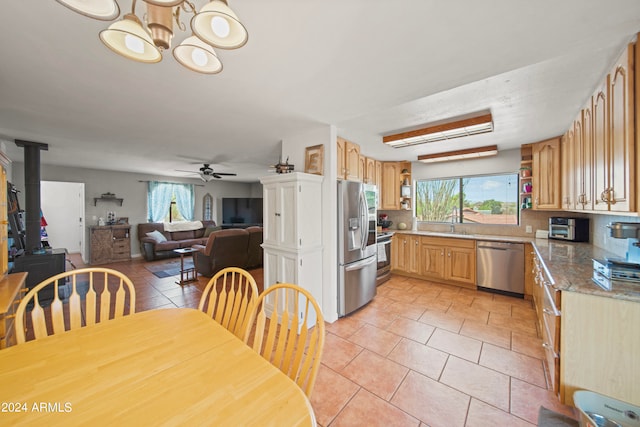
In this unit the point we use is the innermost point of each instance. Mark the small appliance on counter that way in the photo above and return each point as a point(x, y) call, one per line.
point(571, 229)
point(622, 269)
point(383, 221)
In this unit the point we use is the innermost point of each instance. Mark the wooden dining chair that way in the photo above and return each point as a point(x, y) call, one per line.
point(229, 298)
point(287, 329)
point(74, 299)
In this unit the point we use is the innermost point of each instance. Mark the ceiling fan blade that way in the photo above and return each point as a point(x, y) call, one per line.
point(191, 172)
point(224, 173)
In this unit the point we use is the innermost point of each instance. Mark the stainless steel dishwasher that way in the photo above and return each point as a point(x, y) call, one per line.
point(500, 267)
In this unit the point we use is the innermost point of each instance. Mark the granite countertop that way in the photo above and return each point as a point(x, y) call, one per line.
point(569, 265)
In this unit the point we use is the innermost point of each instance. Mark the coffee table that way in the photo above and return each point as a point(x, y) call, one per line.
point(186, 274)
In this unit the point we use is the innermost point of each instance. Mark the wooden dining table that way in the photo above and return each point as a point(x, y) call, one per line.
point(160, 367)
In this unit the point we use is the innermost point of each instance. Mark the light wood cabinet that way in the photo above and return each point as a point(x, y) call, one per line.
point(546, 175)
point(600, 347)
point(370, 171)
point(341, 168)
point(390, 192)
point(405, 253)
point(12, 289)
point(435, 258)
point(350, 165)
point(604, 163)
point(393, 176)
point(547, 300)
point(4, 217)
point(620, 190)
point(432, 260)
point(353, 163)
point(566, 148)
point(109, 243)
point(600, 102)
point(362, 168)
point(584, 159)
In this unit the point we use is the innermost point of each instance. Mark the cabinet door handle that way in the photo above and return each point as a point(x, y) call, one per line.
point(611, 199)
point(537, 204)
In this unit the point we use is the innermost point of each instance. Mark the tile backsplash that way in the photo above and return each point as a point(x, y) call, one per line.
point(538, 220)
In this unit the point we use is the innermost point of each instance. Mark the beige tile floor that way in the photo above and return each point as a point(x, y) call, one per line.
point(427, 354)
point(420, 354)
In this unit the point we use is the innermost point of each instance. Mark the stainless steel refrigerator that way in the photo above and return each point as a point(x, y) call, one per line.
point(357, 259)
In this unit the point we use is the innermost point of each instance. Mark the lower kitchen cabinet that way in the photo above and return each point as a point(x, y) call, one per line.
point(547, 300)
point(440, 259)
point(600, 347)
point(405, 250)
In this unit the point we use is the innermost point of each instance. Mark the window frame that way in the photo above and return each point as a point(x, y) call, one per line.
point(461, 198)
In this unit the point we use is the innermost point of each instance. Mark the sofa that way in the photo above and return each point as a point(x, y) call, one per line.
point(232, 247)
point(155, 247)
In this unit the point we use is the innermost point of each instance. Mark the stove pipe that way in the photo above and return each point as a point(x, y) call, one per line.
point(32, 192)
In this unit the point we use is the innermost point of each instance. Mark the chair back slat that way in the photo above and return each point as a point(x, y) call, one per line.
point(66, 313)
point(90, 300)
point(120, 296)
point(294, 327)
point(105, 300)
point(228, 299)
point(75, 308)
point(38, 322)
point(57, 315)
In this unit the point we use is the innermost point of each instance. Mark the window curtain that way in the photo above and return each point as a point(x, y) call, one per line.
point(184, 200)
point(158, 200)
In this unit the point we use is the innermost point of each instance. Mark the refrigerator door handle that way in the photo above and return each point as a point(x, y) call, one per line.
point(364, 222)
point(360, 264)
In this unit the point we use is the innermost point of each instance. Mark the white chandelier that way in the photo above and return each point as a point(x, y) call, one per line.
point(215, 25)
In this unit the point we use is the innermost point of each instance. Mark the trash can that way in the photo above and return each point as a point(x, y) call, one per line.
point(597, 410)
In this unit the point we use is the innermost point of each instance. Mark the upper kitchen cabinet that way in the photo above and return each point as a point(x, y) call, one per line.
point(370, 171)
point(546, 175)
point(613, 138)
point(349, 162)
point(393, 176)
point(619, 193)
point(362, 168)
point(567, 176)
point(352, 161)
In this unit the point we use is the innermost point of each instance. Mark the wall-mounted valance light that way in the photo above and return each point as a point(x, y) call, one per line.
point(441, 131)
point(215, 25)
point(489, 150)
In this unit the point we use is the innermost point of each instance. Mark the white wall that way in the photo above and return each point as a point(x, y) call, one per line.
point(129, 187)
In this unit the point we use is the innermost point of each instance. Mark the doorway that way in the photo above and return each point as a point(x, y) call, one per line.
point(62, 206)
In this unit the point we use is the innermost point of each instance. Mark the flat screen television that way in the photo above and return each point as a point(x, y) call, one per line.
point(242, 210)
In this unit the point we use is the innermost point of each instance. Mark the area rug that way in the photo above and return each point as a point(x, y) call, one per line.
point(169, 268)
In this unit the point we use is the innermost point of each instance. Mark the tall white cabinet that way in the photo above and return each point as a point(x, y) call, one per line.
point(292, 227)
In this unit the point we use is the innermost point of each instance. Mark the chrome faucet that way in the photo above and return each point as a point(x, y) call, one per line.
point(454, 218)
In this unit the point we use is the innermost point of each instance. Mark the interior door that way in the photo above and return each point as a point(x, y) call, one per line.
point(62, 205)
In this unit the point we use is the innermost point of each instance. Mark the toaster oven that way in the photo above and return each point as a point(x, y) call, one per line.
point(571, 229)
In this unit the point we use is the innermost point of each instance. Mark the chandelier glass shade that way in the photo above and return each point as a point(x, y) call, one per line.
point(215, 25)
point(104, 10)
point(128, 38)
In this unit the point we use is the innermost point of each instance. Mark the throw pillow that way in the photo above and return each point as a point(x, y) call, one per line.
point(210, 229)
point(157, 236)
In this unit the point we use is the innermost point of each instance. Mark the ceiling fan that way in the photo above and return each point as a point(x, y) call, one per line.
point(206, 173)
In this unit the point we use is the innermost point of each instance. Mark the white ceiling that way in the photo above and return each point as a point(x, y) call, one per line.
point(369, 67)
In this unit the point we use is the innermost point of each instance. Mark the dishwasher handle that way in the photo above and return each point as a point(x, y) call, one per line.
point(500, 246)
